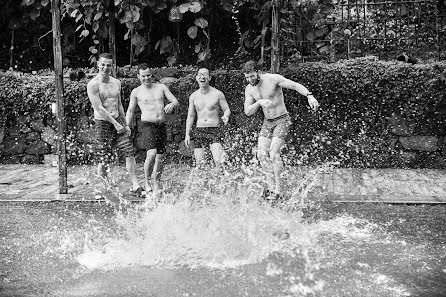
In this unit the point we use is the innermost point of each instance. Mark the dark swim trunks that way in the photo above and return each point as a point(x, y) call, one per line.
point(153, 136)
point(108, 138)
point(205, 136)
point(277, 127)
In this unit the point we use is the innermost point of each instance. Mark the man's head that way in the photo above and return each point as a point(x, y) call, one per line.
point(144, 74)
point(105, 63)
point(203, 77)
point(250, 70)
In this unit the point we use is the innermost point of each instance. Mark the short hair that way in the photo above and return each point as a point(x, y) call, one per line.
point(250, 66)
point(143, 66)
point(106, 56)
point(201, 68)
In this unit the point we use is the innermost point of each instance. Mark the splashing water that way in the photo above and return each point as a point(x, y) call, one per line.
point(217, 221)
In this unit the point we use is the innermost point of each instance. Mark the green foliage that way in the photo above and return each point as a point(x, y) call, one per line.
point(357, 97)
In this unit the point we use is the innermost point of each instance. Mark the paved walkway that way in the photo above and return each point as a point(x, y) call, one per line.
point(39, 182)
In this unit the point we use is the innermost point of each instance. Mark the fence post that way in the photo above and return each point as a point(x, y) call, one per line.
point(60, 116)
point(275, 62)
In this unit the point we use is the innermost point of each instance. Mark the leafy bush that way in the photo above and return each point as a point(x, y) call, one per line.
point(357, 97)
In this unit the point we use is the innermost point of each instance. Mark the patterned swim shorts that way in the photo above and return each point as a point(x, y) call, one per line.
point(277, 127)
point(108, 138)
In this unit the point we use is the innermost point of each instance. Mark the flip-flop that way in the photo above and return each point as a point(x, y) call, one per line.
point(140, 192)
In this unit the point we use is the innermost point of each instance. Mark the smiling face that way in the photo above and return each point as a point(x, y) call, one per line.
point(145, 76)
point(203, 77)
point(105, 66)
point(252, 78)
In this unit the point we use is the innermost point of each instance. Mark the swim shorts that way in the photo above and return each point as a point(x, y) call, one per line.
point(108, 138)
point(153, 136)
point(277, 127)
point(205, 136)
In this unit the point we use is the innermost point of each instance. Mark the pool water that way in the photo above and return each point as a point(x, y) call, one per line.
point(217, 237)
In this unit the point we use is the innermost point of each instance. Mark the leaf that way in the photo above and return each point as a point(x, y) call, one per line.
point(157, 44)
point(96, 41)
point(85, 33)
point(171, 60)
point(73, 13)
point(197, 48)
point(136, 16)
point(166, 45)
point(34, 14)
point(192, 32)
point(80, 26)
point(184, 7)
point(97, 16)
point(203, 56)
point(126, 35)
point(138, 40)
point(205, 33)
point(79, 16)
point(195, 7)
point(44, 2)
point(27, 2)
point(201, 22)
point(95, 26)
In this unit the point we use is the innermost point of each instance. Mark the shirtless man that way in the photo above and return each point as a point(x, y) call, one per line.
point(205, 103)
point(104, 92)
point(149, 96)
point(265, 90)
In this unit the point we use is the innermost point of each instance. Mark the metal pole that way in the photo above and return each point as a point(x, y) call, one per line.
point(60, 116)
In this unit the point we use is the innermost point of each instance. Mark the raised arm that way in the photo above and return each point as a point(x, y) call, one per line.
point(172, 99)
point(224, 107)
point(251, 106)
point(93, 96)
point(289, 84)
point(191, 113)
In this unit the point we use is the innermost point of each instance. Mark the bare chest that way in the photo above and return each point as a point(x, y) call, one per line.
point(108, 90)
point(206, 103)
point(151, 97)
point(265, 91)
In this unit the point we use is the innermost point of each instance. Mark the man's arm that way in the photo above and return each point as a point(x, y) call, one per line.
point(224, 107)
point(190, 119)
point(251, 106)
point(93, 96)
point(173, 100)
point(132, 105)
point(289, 84)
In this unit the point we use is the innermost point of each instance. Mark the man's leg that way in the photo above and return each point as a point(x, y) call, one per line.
point(217, 153)
point(263, 148)
point(276, 160)
point(157, 171)
point(148, 168)
point(130, 164)
point(199, 156)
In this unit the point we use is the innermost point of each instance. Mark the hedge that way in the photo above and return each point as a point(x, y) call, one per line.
point(359, 98)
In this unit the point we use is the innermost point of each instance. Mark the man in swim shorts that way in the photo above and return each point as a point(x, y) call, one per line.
point(206, 104)
point(149, 96)
point(104, 92)
point(264, 90)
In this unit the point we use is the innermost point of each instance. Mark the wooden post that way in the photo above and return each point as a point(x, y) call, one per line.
point(275, 62)
point(11, 51)
point(60, 116)
point(112, 34)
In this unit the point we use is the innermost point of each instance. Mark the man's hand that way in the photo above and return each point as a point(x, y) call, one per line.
point(128, 130)
point(187, 140)
point(265, 103)
point(225, 119)
point(169, 107)
point(313, 102)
